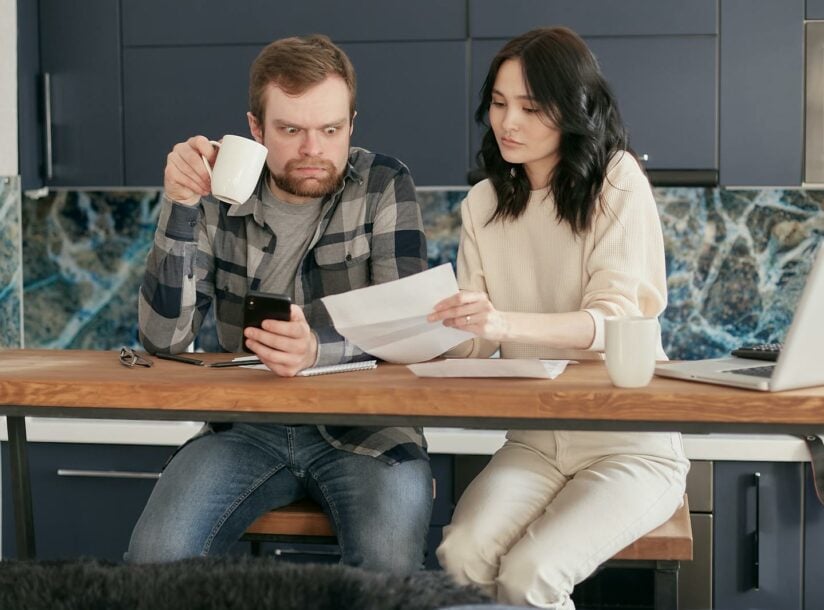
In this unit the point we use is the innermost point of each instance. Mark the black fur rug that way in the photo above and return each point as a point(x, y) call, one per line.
point(222, 583)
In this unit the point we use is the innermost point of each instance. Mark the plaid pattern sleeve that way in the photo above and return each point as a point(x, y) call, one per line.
point(212, 254)
point(176, 292)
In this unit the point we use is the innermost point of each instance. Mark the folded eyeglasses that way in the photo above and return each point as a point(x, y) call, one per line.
point(130, 358)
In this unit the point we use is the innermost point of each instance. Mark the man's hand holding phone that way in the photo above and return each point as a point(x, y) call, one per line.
point(278, 334)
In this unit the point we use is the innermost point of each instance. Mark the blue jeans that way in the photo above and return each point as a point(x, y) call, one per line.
point(218, 484)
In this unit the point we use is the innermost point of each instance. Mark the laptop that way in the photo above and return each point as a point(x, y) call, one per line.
point(798, 365)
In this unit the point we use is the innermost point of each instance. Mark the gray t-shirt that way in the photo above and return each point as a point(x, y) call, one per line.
point(294, 226)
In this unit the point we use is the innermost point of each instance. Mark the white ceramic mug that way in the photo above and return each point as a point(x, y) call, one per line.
point(237, 168)
point(631, 347)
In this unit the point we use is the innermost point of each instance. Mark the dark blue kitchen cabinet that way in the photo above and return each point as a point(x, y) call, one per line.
point(670, 113)
point(258, 22)
point(86, 498)
point(75, 138)
point(815, 9)
point(813, 545)
point(188, 74)
point(762, 93)
point(411, 103)
point(660, 59)
point(172, 93)
point(443, 473)
point(707, 86)
point(29, 93)
point(496, 19)
point(758, 536)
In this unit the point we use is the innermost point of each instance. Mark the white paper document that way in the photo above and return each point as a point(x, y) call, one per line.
point(493, 367)
point(389, 320)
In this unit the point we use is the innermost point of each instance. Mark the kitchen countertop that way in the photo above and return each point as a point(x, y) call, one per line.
point(735, 447)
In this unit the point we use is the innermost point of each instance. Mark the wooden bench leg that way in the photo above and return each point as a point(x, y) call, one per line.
point(666, 585)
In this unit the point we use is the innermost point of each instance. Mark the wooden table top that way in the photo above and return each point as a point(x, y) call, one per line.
point(77, 383)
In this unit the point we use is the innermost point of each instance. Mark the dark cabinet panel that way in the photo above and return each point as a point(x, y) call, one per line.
point(762, 88)
point(76, 513)
point(258, 22)
point(815, 9)
point(496, 19)
point(171, 94)
point(442, 473)
point(80, 52)
point(813, 545)
point(29, 94)
point(758, 546)
point(702, 85)
point(411, 103)
point(670, 114)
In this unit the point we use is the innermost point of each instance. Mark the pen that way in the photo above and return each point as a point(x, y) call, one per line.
point(234, 363)
point(177, 358)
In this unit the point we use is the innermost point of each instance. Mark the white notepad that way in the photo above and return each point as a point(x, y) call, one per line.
point(317, 370)
point(338, 368)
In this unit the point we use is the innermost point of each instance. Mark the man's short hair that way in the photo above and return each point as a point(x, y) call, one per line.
point(296, 64)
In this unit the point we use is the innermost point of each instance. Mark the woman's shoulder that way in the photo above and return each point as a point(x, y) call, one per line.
point(624, 173)
point(481, 198)
point(622, 165)
point(626, 188)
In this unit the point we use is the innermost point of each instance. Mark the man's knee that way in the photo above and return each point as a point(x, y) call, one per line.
point(394, 539)
point(150, 546)
point(383, 524)
point(378, 558)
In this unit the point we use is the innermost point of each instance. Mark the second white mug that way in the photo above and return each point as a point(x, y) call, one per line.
point(631, 347)
point(237, 168)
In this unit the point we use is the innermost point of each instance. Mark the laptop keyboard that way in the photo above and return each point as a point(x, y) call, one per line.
point(758, 371)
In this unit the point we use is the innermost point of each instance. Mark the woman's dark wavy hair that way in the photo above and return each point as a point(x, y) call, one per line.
point(563, 78)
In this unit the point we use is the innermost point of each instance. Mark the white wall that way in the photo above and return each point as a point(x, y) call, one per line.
point(8, 88)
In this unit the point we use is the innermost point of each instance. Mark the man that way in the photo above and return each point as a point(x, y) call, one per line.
point(325, 218)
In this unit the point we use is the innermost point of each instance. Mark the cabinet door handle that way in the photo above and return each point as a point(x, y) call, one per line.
point(282, 552)
point(106, 474)
point(756, 564)
point(48, 146)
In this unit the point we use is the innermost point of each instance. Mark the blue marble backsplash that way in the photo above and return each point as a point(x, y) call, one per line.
point(11, 265)
point(736, 261)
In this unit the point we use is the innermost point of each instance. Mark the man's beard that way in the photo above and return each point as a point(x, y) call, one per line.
point(308, 187)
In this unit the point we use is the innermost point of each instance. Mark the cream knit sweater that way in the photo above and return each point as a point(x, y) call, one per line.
point(536, 264)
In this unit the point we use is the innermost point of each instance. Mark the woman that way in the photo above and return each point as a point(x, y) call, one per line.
point(563, 233)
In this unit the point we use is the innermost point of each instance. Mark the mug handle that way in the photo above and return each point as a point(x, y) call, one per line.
point(205, 162)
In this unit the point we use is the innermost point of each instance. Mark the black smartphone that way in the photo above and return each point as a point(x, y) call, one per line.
point(260, 306)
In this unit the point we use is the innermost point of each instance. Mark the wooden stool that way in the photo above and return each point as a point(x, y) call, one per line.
point(661, 550)
point(300, 522)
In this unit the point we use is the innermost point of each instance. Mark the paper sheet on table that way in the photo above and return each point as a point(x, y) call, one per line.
point(494, 367)
point(389, 320)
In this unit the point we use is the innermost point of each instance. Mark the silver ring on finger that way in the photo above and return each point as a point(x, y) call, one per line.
point(468, 320)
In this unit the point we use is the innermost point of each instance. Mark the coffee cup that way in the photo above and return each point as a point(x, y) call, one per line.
point(237, 168)
point(631, 347)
